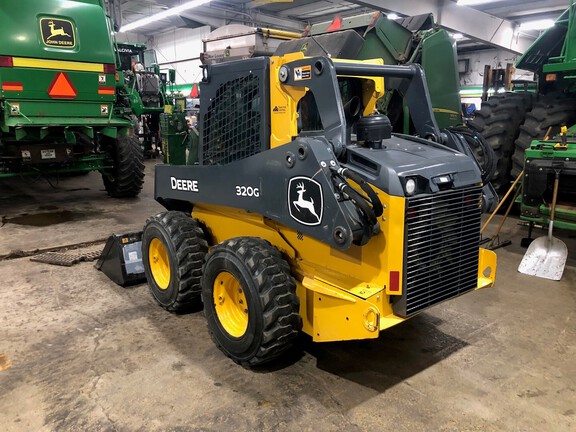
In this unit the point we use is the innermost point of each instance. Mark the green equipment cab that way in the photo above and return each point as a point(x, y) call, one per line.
point(144, 91)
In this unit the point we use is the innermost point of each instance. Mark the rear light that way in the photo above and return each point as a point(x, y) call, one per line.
point(106, 90)
point(394, 281)
point(6, 61)
point(109, 68)
point(551, 77)
point(12, 86)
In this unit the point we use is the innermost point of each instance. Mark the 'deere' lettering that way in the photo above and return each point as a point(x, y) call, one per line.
point(184, 185)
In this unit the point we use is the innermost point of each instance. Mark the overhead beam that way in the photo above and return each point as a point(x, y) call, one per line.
point(481, 26)
point(528, 8)
point(204, 19)
point(217, 17)
point(259, 3)
point(277, 22)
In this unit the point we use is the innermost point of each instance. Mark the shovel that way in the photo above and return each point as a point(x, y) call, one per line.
point(546, 256)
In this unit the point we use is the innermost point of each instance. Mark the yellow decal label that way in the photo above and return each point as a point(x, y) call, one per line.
point(58, 33)
point(302, 73)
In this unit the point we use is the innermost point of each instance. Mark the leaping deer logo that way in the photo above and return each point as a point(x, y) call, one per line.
point(56, 31)
point(301, 203)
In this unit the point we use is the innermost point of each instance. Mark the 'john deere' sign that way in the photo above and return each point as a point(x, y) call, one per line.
point(57, 33)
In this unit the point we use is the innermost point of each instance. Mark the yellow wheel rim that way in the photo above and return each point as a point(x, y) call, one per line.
point(230, 302)
point(159, 263)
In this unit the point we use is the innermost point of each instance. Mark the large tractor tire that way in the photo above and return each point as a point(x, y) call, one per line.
point(546, 117)
point(173, 252)
point(250, 301)
point(498, 121)
point(480, 149)
point(127, 176)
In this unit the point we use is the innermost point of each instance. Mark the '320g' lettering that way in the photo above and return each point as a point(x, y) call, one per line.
point(247, 191)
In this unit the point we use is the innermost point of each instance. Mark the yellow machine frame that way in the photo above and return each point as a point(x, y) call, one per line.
point(343, 294)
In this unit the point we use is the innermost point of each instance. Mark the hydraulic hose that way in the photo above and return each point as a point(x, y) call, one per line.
point(478, 146)
point(377, 207)
point(359, 201)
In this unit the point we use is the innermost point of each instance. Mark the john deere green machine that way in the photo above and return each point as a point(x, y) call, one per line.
point(145, 91)
point(524, 128)
point(58, 109)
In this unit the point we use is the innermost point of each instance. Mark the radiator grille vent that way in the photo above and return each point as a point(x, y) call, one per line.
point(442, 241)
point(232, 122)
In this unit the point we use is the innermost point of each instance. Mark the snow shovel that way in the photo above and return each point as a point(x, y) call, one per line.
point(546, 256)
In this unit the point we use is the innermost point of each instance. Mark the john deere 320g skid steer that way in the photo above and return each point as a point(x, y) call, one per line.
point(306, 213)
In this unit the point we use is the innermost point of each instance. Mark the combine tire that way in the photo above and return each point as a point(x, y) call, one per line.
point(126, 178)
point(481, 150)
point(548, 113)
point(250, 301)
point(498, 122)
point(173, 249)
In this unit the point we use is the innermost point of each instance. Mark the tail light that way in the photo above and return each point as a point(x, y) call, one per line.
point(12, 86)
point(109, 68)
point(394, 281)
point(6, 61)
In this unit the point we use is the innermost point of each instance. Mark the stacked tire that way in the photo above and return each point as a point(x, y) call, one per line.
point(546, 118)
point(498, 121)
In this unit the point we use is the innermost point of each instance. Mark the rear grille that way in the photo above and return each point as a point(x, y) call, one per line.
point(442, 239)
point(232, 122)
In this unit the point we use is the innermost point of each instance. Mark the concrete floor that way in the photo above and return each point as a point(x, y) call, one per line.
point(79, 353)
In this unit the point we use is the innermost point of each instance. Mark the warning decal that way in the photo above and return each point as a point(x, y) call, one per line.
point(302, 73)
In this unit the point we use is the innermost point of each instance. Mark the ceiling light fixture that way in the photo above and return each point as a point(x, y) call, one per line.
point(458, 36)
point(164, 14)
point(542, 24)
point(392, 16)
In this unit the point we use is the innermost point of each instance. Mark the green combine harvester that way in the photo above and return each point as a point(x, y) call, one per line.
point(58, 105)
point(402, 41)
point(144, 91)
point(524, 128)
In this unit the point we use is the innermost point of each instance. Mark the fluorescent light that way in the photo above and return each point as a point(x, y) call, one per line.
point(392, 16)
point(458, 36)
point(164, 14)
point(537, 25)
point(473, 2)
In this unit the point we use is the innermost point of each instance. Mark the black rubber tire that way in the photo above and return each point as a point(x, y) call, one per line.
point(270, 291)
point(498, 121)
point(549, 112)
point(480, 149)
point(186, 246)
point(127, 176)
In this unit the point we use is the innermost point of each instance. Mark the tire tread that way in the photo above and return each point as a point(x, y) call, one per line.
point(277, 294)
point(191, 248)
point(498, 121)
